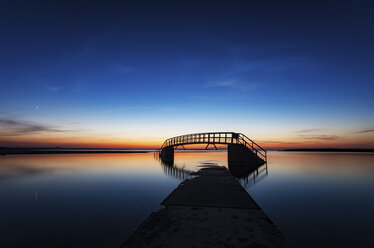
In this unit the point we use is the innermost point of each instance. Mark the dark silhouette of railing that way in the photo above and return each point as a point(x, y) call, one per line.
point(246, 178)
point(214, 138)
point(176, 172)
point(249, 179)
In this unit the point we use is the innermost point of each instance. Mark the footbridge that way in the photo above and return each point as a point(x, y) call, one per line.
point(241, 149)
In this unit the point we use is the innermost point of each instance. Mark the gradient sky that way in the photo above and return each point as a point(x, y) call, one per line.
point(107, 74)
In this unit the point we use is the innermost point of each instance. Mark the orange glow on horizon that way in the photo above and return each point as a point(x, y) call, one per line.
point(269, 142)
point(155, 144)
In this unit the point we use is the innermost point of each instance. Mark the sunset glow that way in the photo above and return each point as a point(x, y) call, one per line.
point(131, 76)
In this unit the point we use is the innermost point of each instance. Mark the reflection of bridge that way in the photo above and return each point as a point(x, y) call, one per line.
point(246, 176)
point(176, 172)
point(252, 177)
point(241, 149)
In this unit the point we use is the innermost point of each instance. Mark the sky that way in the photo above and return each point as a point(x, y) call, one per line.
point(131, 74)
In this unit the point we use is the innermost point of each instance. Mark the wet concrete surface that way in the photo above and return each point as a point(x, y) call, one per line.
point(210, 210)
point(213, 187)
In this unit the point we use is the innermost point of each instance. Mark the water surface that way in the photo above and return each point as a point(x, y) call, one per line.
point(96, 200)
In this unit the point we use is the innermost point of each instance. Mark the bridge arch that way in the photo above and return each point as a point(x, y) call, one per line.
point(241, 149)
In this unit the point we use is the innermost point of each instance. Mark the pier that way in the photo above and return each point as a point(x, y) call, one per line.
point(211, 209)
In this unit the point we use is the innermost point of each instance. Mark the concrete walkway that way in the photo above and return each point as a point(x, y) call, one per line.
point(210, 210)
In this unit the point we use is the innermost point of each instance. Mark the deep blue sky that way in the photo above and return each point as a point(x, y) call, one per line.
point(283, 72)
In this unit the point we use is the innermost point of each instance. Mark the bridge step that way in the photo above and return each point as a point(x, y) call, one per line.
point(239, 154)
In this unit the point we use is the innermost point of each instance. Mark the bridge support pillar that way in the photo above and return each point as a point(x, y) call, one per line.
point(167, 155)
point(240, 156)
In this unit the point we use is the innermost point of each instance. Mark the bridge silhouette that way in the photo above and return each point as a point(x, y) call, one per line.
point(241, 149)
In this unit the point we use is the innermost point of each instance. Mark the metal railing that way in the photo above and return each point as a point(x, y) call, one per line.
point(216, 138)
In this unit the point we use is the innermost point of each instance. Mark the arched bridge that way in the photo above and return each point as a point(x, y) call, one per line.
point(241, 149)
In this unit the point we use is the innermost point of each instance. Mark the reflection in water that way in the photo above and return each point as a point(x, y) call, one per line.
point(173, 171)
point(96, 200)
point(13, 171)
point(77, 200)
point(253, 176)
point(245, 173)
point(320, 199)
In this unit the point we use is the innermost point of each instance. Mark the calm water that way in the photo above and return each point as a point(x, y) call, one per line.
point(316, 199)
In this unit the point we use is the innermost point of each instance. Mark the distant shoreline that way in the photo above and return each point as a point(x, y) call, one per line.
point(25, 151)
point(57, 150)
point(327, 150)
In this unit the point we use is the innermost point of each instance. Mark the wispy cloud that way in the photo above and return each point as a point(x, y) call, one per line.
point(366, 131)
point(215, 98)
point(103, 111)
point(308, 130)
point(234, 84)
point(123, 69)
point(10, 127)
point(227, 83)
point(279, 142)
point(319, 137)
point(53, 88)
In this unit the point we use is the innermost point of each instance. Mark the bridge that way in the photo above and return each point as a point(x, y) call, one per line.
point(241, 149)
